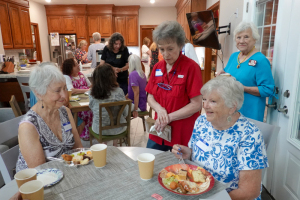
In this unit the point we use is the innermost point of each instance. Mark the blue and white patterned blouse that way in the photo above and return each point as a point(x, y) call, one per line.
point(241, 147)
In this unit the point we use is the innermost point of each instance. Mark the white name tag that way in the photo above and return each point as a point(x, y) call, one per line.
point(180, 76)
point(158, 72)
point(67, 126)
point(204, 146)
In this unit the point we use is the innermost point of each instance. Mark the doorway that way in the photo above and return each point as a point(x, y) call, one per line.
point(35, 54)
point(146, 31)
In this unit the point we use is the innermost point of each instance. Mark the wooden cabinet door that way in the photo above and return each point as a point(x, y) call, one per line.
point(132, 31)
point(186, 27)
point(68, 24)
point(16, 26)
point(54, 24)
point(26, 26)
point(93, 23)
point(120, 26)
point(5, 26)
point(81, 27)
point(105, 25)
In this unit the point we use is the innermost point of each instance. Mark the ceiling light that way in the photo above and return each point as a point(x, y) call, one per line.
point(48, 1)
point(152, 1)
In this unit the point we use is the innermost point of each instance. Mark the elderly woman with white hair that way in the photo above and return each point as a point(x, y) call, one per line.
point(80, 53)
point(136, 85)
point(174, 88)
point(252, 69)
point(92, 49)
point(48, 128)
point(226, 143)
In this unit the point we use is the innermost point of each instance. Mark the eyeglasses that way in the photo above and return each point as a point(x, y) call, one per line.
point(164, 86)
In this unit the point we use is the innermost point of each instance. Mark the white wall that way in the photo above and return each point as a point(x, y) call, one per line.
point(209, 3)
point(38, 15)
point(226, 15)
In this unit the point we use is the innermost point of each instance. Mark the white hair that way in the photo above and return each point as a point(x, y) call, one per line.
point(231, 90)
point(96, 36)
point(42, 76)
point(135, 64)
point(244, 26)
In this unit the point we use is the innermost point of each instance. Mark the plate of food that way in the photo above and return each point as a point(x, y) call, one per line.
point(193, 180)
point(74, 98)
point(80, 156)
point(49, 177)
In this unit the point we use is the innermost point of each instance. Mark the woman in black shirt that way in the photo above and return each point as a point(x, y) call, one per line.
point(116, 54)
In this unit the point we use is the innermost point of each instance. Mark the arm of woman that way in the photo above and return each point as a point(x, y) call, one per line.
point(252, 90)
point(136, 92)
point(30, 145)
point(249, 185)
point(79, 91)
point(194, 106)
point(149, 52)
point(74, 131)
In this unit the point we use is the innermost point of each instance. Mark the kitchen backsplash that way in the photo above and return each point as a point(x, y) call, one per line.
point(14, 52)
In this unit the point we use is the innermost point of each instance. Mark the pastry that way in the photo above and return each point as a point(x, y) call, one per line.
point(182, 174)
point(198, 176)
point(84, 162)
point(67, 157)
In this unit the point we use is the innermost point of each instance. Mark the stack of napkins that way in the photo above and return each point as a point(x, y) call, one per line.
point(166, 134)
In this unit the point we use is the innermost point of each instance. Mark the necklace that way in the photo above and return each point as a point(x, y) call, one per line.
point(238, 60)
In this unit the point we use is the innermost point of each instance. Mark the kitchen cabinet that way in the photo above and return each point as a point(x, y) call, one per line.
point(105, 25)
point(54, 24)
point(5, 26)
point(81, 26)
point(26, 27)
point(120, 25)
point(132, 31)
point(68, 24)
point(93, 24)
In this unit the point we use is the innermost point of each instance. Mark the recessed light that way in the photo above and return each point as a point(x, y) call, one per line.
point(152, 1)
point(48, 1)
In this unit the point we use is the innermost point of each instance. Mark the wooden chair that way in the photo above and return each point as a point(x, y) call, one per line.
point(23, 82)
point(114, 123)
point(15, 106)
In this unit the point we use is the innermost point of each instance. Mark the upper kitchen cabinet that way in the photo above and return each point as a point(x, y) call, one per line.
point(5, 26)
point(81, 27)
point(106, 25)
point(15, 25)
point(120, 25)
point(54, 24)
point(132, 32)
point(93, 24)
point(68, 24)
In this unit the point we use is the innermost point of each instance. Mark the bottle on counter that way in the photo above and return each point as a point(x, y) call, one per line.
point(80, 66)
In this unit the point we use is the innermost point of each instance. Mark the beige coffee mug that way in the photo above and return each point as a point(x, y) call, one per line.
point(146, 165)
point(33, 190)
point(70, 93)
point(226, 74)
point(99, 155)
point(25, 175)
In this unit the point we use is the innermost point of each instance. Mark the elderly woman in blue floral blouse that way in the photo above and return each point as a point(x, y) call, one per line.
point(225, 143)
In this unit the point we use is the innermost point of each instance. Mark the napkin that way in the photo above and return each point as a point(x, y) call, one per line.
point(166, 134)
point(84, 103)
point(152, 129)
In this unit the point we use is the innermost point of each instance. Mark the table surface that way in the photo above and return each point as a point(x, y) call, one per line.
point(10, 189)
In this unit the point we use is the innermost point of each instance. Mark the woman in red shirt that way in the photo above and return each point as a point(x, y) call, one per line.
point(174, 88)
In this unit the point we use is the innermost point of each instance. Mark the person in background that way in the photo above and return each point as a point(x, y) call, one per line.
point(251, 68)
point(153, 56)
point(174, 88)
point(189, 51)
point(105, 88)
point(78, 83)
point(80, 53)
point(145, 55)
point(48, 128)
point(116, 54)
point(226, 143)
point(92, 49)
point(137, 85)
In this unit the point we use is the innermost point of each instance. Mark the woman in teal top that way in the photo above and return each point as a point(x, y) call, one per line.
point(252, 69)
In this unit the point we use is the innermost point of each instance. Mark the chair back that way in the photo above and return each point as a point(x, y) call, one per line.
point(115, 120)
point(9, 129)
point(6, 114)
point(8, 161)
point(15, 106)
point(23, 82)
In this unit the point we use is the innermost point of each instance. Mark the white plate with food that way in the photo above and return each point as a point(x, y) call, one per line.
point(79, 156)
point(49, 177)
point(74, 98)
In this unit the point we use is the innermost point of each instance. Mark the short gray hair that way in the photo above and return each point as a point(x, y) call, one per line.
point(96, 36)
point(169, 30)
point(135, 64)
point(231, 90)
point(42, 76)
point(246, 25)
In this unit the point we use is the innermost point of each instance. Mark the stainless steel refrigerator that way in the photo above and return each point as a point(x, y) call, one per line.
point(62, 47)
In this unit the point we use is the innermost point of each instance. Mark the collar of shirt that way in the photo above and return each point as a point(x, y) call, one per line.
point(176, 64)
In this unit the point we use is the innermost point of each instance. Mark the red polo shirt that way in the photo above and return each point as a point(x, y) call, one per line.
point(186, 84)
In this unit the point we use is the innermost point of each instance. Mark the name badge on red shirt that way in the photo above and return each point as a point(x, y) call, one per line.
point(158, 72)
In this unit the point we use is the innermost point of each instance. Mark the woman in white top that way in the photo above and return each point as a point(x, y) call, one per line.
point(145, 55)
point(189, 51)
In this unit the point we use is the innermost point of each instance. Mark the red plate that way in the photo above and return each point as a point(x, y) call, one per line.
point(175, 169)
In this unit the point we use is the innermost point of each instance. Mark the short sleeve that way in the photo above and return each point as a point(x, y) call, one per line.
point(133, 81)
point(264, 78)
point(151, 83)
point(68, 82)
point(88, 82)
point(104, 53)
point(251, 150)
point(126, 54)
point(194, 81)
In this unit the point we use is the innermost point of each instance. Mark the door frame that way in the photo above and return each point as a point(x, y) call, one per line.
point(37, 41)
point(141, 39)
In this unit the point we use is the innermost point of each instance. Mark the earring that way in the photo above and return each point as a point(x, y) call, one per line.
point(42, 104)
point(229, 119)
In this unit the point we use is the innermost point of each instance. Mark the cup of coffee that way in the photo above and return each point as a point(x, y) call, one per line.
point(99, 155)
point(225, 74)
point(70, 93)
point(25, 175)
point(146, 165)
point(33, 190)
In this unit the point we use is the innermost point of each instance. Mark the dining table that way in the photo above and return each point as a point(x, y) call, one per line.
point(118, 179)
